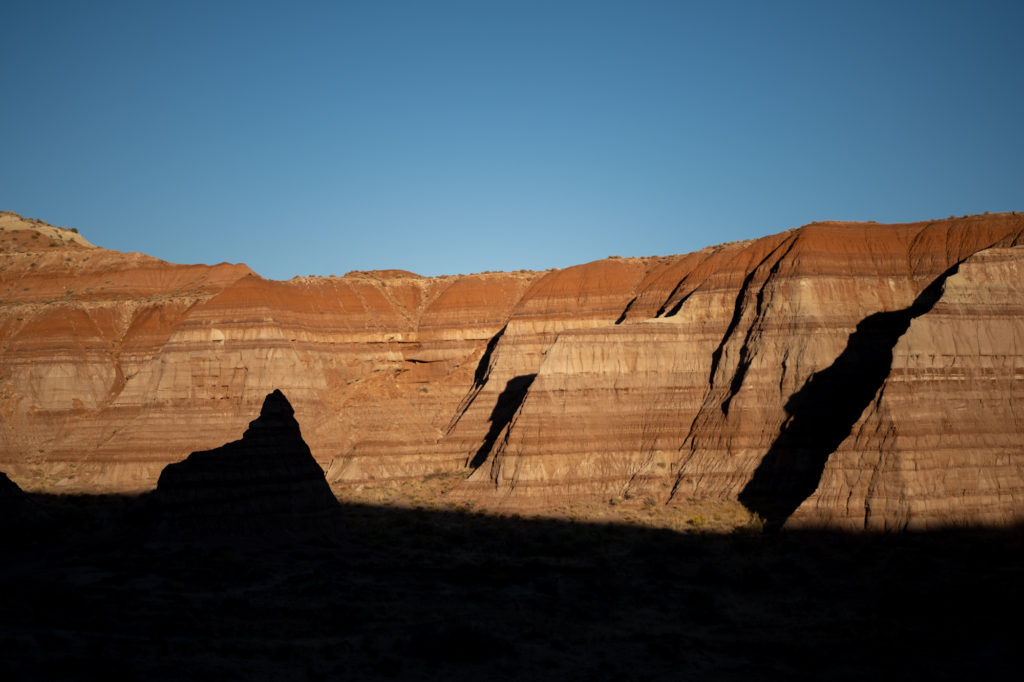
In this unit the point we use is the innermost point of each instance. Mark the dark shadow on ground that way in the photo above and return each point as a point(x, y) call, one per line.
point(413, 594)
point(822, 413)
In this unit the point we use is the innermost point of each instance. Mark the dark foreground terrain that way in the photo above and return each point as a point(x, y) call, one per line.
point(95, 591)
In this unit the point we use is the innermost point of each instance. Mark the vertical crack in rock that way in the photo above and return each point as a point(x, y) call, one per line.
point(822, 413)
point(625, 311)
point(741, 297)
point(483, 371)
point(664, 305)
point(678, 306)
point(713, 400)
point(483, 368)
point(873, 481)
point(745, 355)
point(505, 408)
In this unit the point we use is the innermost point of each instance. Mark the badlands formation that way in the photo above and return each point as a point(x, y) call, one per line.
point(850, 375)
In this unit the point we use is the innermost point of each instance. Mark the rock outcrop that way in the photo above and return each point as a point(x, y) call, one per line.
point(270, 470)
point(266, 482)
point(12, 498)
point(20, 518)
point(849, 374)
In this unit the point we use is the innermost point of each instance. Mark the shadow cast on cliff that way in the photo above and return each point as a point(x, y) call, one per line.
point(480, 376)
point(822, 413)
point(505, 407)
point(418, 594)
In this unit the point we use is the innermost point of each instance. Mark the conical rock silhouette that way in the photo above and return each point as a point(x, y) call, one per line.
point(264, 481)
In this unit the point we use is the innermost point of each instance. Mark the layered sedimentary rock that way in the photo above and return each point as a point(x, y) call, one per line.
point(268, 480)
point(104, 356)
point(760, 357)
point(818, 374)
point(940, 441)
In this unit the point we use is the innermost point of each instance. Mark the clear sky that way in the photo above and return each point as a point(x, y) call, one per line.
point(454, 137)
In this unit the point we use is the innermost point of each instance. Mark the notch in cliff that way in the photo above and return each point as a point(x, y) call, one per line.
point(263, 484)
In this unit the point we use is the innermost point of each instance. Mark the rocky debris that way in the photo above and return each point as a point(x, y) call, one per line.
point(264, 483)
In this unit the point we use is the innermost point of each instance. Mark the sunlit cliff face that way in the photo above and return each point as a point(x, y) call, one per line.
point(853, 375)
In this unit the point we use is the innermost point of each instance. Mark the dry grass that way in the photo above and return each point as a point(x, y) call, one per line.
point(440, 492)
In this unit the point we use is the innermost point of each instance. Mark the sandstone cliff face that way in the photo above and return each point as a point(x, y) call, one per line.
point(105, 356)
point(814, 374)
point(940, 441)
point(761, 357)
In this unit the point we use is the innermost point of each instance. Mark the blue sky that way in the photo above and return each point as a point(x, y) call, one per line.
point(454, 137)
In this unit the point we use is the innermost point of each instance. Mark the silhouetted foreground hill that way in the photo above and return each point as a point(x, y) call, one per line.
point(260, 487)
point(19, 516)
point(241, 565)
point(407, 594)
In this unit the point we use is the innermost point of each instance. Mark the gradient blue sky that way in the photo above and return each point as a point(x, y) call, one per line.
point(447, 137)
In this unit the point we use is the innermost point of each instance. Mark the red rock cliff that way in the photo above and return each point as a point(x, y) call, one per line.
point(855, 375)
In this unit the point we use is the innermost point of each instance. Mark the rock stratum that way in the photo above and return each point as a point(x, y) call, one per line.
point(852, 375)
